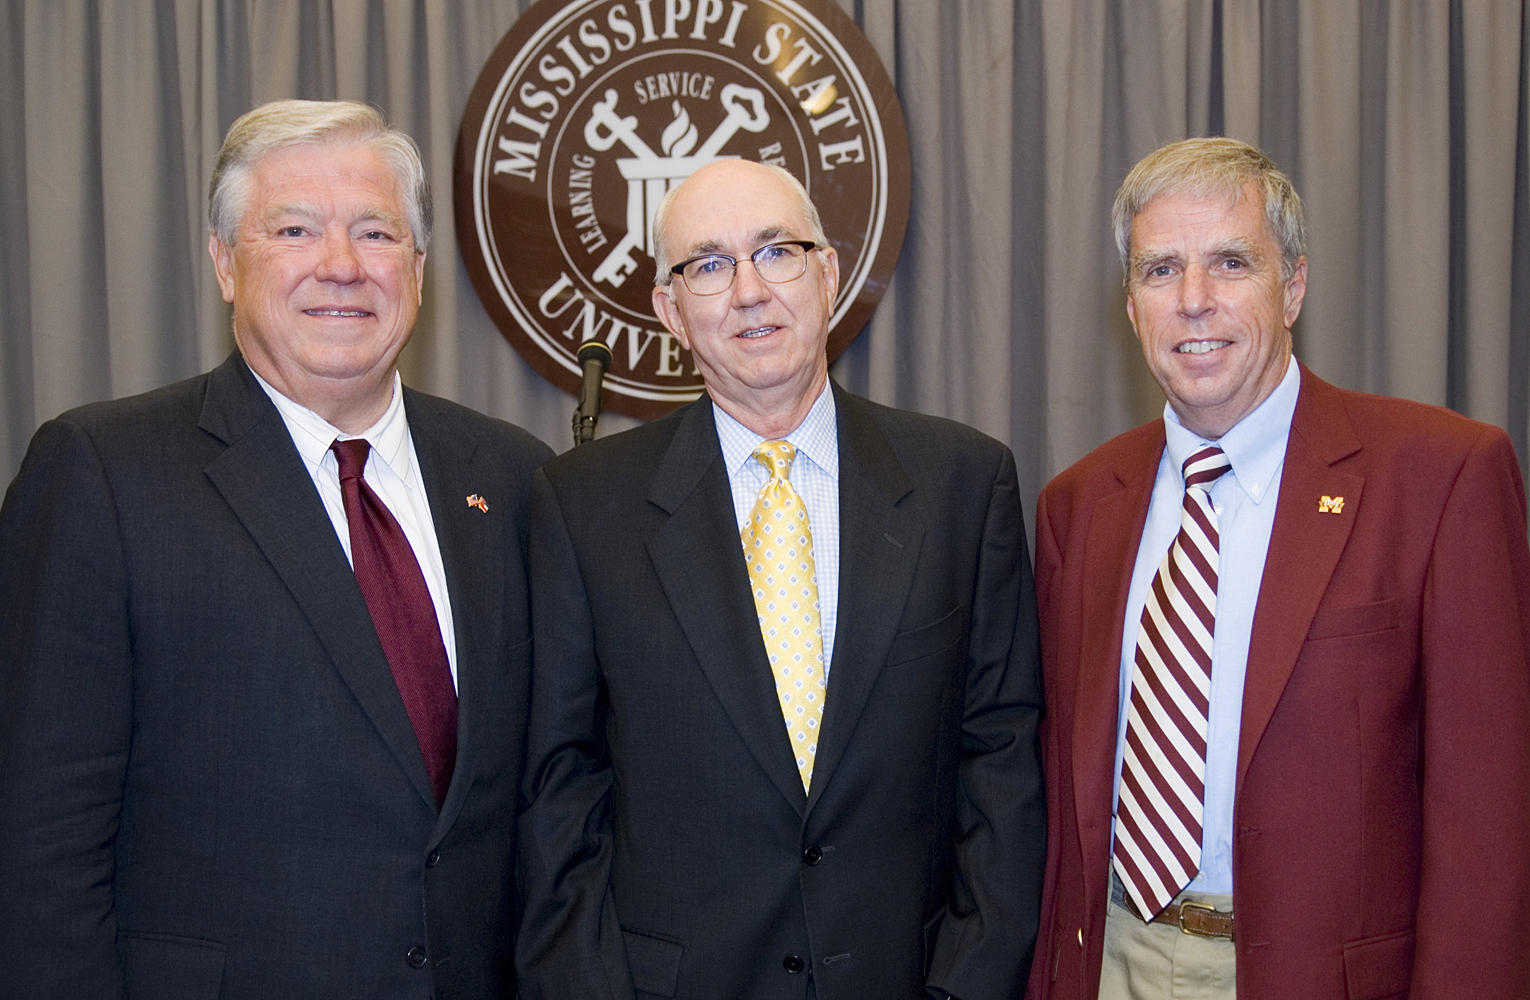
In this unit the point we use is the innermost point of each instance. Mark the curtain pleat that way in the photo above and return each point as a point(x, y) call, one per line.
point(1403, 123)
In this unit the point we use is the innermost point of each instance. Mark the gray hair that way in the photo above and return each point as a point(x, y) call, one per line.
point(280, 124)
point(661, 251)
point(1207, 168)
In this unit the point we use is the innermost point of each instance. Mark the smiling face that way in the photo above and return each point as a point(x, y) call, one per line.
point(760, 347)
point(324, 279)
point(1209, 304)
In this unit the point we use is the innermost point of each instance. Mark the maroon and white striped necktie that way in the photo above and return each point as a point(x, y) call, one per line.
point(1163, 769)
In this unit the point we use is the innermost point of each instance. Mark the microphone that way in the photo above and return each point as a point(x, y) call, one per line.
point(594, 357)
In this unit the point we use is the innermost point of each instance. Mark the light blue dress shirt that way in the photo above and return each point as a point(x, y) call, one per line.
point(815, 477)
point(1245, 498)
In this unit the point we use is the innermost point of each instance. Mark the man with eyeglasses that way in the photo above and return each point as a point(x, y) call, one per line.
point(785, 699)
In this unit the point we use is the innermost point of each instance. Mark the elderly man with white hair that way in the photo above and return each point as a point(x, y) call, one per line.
point(266, 636)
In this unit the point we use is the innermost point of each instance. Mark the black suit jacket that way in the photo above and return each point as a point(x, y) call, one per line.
point(668, 845)
point(209, 786)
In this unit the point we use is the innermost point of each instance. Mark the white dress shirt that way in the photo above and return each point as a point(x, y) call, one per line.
point(815, 477)
point(393, 472)
point(1245, 498)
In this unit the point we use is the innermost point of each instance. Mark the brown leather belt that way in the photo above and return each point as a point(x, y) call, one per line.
point(1200, 919)
point(1197, 918)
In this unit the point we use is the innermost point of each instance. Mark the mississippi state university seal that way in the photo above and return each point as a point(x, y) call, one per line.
point(590, 110)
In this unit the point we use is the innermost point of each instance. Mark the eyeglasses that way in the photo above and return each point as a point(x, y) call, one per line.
point(776, 263)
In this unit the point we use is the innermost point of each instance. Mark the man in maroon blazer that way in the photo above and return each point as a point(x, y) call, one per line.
point(1288, 730)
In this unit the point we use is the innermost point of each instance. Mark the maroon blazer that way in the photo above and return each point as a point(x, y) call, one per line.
point(1382, 815)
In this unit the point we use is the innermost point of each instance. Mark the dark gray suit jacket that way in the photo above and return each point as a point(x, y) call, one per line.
point(668, 845)
point(209, 786)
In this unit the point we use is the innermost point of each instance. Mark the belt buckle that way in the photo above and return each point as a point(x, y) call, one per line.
point(1188, 905)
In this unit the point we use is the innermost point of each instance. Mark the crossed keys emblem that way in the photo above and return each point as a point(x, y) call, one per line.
point(650, 175)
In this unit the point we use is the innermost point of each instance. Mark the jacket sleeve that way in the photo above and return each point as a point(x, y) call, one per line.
point(1473, 922)
point(570, 945)
point(65, 720)
point(989, 929)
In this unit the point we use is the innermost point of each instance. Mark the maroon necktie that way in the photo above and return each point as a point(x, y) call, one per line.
point(403, 614)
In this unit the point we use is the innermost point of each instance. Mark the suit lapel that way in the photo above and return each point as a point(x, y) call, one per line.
point(878, 550)
point(1305, 545)
point(264, 481)
point(472, 544)
point(700, 564)
point(1110, 549)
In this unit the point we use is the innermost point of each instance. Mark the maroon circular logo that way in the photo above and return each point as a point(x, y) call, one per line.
point(590, 110)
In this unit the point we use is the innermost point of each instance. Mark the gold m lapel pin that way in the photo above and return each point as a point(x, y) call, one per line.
point(1330, 505)
point(474, 500)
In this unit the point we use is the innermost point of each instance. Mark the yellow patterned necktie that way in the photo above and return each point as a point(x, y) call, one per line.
point(778, 549)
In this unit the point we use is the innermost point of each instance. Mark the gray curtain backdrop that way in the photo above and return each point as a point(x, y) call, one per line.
point(1403, 123)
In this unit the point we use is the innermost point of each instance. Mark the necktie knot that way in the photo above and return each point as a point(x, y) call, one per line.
point(1205, 467)
point(352, 457)
point(776, 457)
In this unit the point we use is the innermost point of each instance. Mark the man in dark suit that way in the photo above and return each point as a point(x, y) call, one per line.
point(1352, 571)
point(710, 816)
point(218, 777)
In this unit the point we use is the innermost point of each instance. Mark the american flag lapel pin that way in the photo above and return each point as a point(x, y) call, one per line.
point(474, 500)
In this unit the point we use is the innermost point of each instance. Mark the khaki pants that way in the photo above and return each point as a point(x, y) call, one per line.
point(1160, 962)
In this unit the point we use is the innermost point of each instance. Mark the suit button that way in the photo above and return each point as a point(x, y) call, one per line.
point(432, 858)
point(793, 964)
point(416, 957)
point(812, 855)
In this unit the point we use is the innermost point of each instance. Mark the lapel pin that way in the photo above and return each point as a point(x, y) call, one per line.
point(1330, 505)
point(474, 500)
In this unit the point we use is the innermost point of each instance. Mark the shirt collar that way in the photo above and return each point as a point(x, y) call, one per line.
point(1256, 445)
point(817, 436)
point(312, 434)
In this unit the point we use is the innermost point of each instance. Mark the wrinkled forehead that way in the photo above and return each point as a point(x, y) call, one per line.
point(1190, 204)
point(733, 212)
point(339, 169)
